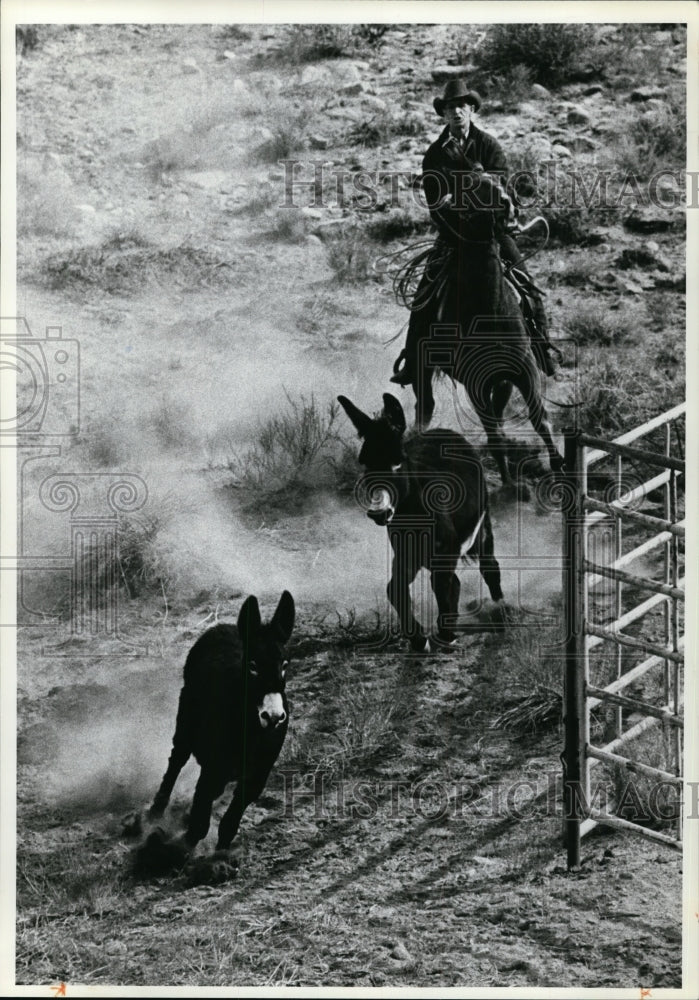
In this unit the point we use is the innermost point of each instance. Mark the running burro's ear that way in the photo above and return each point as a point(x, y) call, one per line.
point(393, 411)
point(361, 421)
point(283, 620)
point(249, 621)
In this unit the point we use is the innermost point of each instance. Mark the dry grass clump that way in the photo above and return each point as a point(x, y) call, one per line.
point(654, 141)
point(608, 394)
point(383, 126)
point(46, 200)
point(284, 128)
point(289, 225)
point(350, 255)
point(358, 718)
point(529, 679)
point(124, 261)
point(593, 323)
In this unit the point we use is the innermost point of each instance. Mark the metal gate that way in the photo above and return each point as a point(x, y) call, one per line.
point(659, 659)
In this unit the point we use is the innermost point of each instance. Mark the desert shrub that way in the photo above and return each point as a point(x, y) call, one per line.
point(655, 140)
point(399, 223)
point(172, 421)
point(46, 201)
point(381, 127)
point(616, 394)
point(349, 255)
point(593, 323)
point(291, 454)
point(552, 52)
point(529, 680)
point(512, 87)
point(285, 128)
point(124, 261)
point(309, 42)
point(261, 198)
point(289, 224)
point(140, 561)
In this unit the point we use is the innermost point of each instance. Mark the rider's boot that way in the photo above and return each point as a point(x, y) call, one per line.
point(402, 376)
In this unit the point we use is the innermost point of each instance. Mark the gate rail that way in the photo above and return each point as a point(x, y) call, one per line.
point(581, 576)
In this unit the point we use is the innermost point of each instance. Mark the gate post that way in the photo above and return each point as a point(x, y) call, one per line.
point(574, 689)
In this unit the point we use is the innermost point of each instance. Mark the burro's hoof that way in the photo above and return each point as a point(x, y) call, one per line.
point(160, 856)
point(132, 825)
point(220, 867)
point(420, 644)
point(503, 614)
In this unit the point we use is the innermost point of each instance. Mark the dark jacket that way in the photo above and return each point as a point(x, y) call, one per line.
point(442, 165)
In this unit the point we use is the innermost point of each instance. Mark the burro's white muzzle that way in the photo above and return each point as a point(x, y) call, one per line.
point(382, 509)
point(271, 712)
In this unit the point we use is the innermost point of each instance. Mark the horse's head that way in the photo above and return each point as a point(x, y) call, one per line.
point(480, 202)
point(381, 454)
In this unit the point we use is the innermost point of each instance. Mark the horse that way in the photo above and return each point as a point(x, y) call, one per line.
point(477, 334)
point(233, 717)
point(430, 492)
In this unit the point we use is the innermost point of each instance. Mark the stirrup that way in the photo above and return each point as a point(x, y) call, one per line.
point(396, 364)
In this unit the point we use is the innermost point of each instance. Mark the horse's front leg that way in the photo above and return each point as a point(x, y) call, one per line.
point(531, 391)
point(424, 396)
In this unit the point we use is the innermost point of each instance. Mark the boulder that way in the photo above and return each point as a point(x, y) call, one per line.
point(646, 93)
point(582, 144)
point(441, 74)
point(539, 92)
point(649, 219)
point(578, 116)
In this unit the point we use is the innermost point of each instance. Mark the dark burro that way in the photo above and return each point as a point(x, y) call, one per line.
point(430, 491)
point(233, 716)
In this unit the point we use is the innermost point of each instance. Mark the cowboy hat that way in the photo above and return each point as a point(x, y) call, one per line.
point(455, 90)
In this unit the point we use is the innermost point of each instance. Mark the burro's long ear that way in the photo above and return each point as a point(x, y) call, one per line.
point(249, 621)
point(393, 412)
point(361, 421)
point(283, 618)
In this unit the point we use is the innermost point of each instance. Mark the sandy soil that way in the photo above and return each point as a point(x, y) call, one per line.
point(139, 159)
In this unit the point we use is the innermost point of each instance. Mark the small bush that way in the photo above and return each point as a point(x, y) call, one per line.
point(285, 128)
point(290, 225)
point(552, 52)
point(46, 200)
point(655, 140)
point(512, 87)
point(383, 126)
point(593, 323)
point(349, 256)
point(309, 42)
point(616, 394)
point(294, 453)
point(125, 261)
point(397, 224)
point(529, 680)
point(261, 198)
